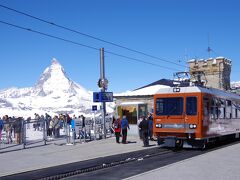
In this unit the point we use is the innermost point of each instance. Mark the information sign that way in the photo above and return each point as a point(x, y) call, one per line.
point(102, 96)
point(94, 108)
point(105, 96)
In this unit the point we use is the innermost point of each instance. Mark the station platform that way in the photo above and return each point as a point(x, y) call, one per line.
point(57, 153)
point(223, 163)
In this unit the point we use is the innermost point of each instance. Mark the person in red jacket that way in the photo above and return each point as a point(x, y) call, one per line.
point(117, 128)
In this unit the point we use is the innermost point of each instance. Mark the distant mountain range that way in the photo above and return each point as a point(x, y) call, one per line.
point(53, 93)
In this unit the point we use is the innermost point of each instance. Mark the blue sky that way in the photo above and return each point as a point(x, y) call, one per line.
point(172, 30)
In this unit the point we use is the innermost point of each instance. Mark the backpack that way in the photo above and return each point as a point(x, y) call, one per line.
point(116, 124)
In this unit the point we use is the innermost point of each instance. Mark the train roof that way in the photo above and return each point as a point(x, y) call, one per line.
point(197, 89)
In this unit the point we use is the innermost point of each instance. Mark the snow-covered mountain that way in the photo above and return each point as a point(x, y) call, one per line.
point(53, 93)
point(235, 84)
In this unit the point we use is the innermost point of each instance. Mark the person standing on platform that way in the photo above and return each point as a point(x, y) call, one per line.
point(73, 127)
point(125, 127)
point(1, 128)
point(139, 130)
point(117, 128)
point(8, 128)
point(144, 130)
point(51, 126)
point(150, 126)
point(18, 129)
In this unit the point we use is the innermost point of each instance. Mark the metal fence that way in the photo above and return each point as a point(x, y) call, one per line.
point(20, 134)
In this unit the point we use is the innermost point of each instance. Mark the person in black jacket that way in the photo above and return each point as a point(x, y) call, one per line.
point(144, 131)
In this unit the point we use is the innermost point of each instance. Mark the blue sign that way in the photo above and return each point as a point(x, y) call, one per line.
point(106, 97)
point(96, 97)
point(102, 96)
point(94, 108)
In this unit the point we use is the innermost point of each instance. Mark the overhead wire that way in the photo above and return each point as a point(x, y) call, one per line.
point(90, 36)
point(83, 45)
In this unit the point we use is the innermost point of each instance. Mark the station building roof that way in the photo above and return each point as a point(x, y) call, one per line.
point(151, 88)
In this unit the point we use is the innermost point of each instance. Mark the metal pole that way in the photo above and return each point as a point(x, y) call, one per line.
point(84, 130)
point(73, 136)
point(94, 126)
point(23, 133)
point(44, 131)
point(102, 77)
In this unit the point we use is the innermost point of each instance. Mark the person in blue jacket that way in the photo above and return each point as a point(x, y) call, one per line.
point(73, 127)
point(124, 127)
point(1, 128)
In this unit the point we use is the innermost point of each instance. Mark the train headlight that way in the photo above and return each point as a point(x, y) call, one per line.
point(158, 125)
point(192, 126)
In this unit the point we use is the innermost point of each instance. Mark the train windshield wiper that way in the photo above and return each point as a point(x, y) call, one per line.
point(171, 111)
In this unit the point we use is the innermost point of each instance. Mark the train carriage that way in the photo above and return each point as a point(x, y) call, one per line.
point(194, 116)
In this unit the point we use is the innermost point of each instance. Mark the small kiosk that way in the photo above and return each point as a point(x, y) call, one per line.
point(132, 110)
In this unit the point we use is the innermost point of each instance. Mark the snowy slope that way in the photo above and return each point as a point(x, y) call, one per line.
point(53, 93)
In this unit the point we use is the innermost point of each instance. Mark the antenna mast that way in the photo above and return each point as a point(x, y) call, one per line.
point(209, 49)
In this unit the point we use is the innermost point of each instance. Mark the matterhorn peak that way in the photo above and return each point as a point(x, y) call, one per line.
point(54, 61)
point(55, 66)
point(54, 92)
point(53, 79)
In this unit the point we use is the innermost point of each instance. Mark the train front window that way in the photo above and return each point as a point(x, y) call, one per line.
point(191, 104)
point(169, 106)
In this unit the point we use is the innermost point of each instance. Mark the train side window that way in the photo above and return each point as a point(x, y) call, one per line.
point(228, 109)
point(214, 108)
point(206, 106)
point(191, 106)
point(233, 112)
point(229, 103)
point(236, 106)
point(222, 109)
point(237, 110)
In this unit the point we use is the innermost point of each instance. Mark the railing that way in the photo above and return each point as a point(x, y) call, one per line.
point(20, 134)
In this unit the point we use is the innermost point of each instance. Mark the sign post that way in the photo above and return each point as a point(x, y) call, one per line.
point(94, 109)
point(103, 96)
point(103, 88)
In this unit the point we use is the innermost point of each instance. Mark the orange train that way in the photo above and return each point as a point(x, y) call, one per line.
point(195, 116)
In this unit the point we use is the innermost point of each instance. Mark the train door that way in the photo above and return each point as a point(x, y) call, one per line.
point(206, 115)
point(191, 115)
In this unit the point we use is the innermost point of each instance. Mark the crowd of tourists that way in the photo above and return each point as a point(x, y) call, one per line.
point(12, 127)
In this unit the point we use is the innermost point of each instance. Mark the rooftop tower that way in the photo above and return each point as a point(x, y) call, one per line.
point(217, 72)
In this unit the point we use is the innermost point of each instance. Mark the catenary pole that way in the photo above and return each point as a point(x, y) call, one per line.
point(102, 77)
